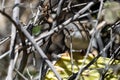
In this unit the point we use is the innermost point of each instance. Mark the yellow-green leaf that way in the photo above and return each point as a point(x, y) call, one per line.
point(64, 68)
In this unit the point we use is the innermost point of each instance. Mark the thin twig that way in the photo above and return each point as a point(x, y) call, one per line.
point(4, 40)
point(100, 9)
point(5, 54)
point(3, 5)
point(21, 74)
point(28, 72)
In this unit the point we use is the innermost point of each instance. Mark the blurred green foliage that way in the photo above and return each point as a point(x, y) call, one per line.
point(36, 30)
point(111, 11)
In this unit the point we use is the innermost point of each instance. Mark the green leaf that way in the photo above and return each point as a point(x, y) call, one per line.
point(36, 30)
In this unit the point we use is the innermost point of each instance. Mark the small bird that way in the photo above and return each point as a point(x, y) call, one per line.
point(77, 34)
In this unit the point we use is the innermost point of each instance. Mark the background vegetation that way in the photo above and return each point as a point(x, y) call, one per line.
point(60, 39)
